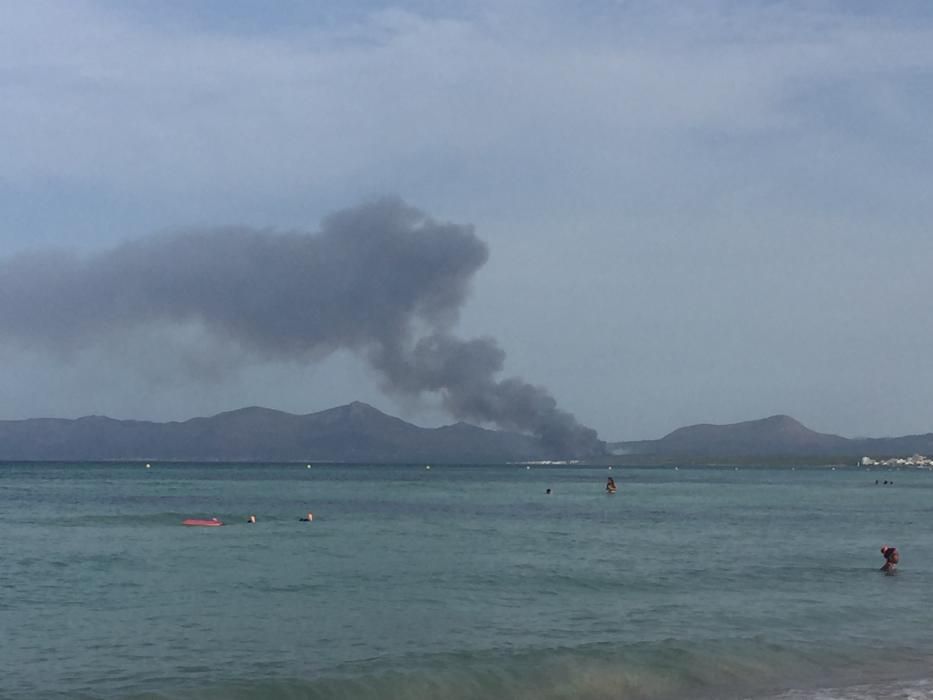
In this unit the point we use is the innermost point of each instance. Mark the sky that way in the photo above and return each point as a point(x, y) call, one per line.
point(684, 212)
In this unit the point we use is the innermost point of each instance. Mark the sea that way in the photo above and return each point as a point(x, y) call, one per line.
point(463, 582)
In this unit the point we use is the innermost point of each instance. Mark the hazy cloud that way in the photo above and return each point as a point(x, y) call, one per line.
point(700, 210)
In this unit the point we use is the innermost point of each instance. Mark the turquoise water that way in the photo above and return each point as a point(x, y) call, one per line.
point(463, 582)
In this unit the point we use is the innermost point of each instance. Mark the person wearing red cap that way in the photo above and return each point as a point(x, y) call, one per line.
point(891, 558)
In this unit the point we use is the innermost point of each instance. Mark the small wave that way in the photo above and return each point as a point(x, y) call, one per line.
point(910, 690)
point(668, 670)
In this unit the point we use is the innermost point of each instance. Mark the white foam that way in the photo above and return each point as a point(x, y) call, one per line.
point(906, 690)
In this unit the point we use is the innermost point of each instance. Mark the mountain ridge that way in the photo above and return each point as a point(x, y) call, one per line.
point(358, 432)
point(355, 432)
point(775, 436)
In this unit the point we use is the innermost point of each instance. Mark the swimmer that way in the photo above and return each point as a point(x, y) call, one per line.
point(610, 485)
point(307, 519)
point(251, 520)
point(548, 492)
point(891, 559)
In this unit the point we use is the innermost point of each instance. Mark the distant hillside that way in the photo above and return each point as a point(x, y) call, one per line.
point(358, 432)
point(353, 433)
point(777, 436)
point(774, 435)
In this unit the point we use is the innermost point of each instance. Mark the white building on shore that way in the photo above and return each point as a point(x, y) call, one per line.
point(918, 461)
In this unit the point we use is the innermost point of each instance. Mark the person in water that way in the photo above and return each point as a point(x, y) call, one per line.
point(251, 520)
point(308, 518)
point(611, 485)
point(891, 558)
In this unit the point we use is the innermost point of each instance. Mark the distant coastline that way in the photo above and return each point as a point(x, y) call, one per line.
point(777, 439)
point(359, 433)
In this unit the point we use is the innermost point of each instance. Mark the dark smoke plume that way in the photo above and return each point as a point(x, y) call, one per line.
point(381, 279)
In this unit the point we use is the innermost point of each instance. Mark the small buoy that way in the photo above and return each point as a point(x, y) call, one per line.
point(610, 468)
point(527, 466)
point(147, 466)
point(834, 468)
point(309, 466)
point(427, 466)
point(676, 469)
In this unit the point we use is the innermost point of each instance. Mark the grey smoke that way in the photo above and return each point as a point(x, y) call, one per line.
point(381, 279)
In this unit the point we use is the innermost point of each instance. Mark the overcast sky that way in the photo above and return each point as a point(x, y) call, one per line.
point(706, 213)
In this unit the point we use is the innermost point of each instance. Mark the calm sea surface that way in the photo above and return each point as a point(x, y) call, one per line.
point(463, 582)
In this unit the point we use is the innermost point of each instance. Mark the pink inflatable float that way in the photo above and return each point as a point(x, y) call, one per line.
point(199, 522)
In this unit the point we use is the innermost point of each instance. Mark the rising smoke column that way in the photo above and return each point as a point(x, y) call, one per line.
point(381, 279)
